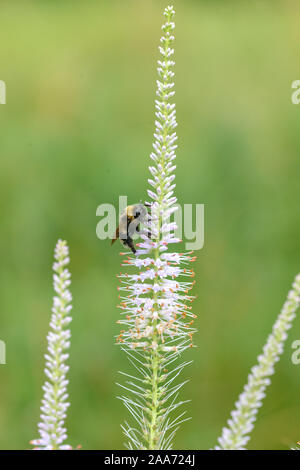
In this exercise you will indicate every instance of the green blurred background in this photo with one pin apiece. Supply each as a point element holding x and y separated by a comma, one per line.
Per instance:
<point>77,131</point>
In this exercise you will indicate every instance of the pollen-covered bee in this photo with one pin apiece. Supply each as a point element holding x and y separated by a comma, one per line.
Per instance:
<point>129,224</point>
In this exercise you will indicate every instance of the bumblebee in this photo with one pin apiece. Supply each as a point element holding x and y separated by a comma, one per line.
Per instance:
<point>129,224</point>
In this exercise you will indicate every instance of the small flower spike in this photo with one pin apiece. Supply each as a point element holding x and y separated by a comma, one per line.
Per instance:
<point>236,435</point>
<point>54,404</point>
<point>157,322</point>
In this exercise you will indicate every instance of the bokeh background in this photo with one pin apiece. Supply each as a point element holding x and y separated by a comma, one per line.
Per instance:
<point>77,131</point>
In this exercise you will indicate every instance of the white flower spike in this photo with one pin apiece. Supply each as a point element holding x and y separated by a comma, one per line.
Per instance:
<point>236,435</point>
<point>54,404</point>
<point>156,319</point>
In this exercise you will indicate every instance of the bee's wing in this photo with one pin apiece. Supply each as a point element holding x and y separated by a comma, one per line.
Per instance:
<point>116,236</point>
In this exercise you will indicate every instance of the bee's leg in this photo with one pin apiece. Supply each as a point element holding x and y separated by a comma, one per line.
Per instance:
<point>124,242</point>
<point>138,228</point>
<point>129,242</point>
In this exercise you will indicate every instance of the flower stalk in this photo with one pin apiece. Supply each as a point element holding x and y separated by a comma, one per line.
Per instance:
<point>156,319</point>
<point>236,435</point>
<point>54,403</point>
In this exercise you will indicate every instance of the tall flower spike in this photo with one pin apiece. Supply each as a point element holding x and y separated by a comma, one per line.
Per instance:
<point>157,322</point>
<point>236,435</point>
<point>54,403</point>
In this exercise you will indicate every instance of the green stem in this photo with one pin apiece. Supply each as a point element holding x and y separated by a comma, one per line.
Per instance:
<point>153,435</point>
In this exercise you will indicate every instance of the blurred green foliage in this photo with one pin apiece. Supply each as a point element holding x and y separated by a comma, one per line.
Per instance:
<point>77,131</point>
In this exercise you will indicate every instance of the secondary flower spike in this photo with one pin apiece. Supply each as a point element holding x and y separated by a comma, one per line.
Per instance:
<point>240,425</point>
<point>157,321</point>
<point>55,400</point>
